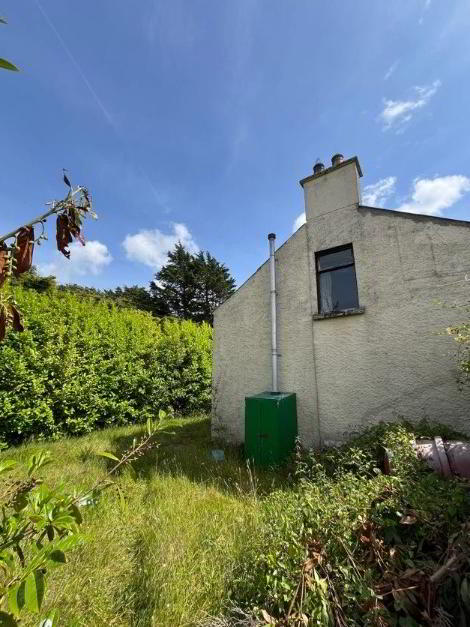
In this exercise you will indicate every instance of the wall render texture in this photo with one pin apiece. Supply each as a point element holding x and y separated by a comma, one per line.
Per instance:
<point>394,360</point>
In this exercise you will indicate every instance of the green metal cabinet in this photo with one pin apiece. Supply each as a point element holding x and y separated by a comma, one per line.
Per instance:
<point>270,427</point>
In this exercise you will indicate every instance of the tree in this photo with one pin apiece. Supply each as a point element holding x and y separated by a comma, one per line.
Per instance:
<point>135,297</point>
<point>214,285</point>
<point>32,280</point>
<point>174,290</point>
<point>191,286</point>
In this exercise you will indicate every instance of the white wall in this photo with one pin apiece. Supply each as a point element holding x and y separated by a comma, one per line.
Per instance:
<point>393,360</point>
<point>242,343</point>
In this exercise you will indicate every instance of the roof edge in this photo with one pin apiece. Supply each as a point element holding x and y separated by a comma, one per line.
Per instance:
<point>302,226</point>
<point>416,216</point>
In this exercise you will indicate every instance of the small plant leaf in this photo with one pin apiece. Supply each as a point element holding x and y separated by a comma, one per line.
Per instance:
<point>7,465</point>
<point>51,620</point>
<point>34,591</point>
<point>122,500</point>
<point>58,556</point>
<point>24,250</point>
<point>13,605</point>
<point>108,455</point>
<point>6,65</point>
<point>76,514</point>
<point>38,461</point>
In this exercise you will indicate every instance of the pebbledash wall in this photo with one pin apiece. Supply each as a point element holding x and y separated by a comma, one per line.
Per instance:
<point>388,359</point>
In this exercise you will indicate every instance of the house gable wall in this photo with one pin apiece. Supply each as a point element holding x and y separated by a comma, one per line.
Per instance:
<point>242,344</point>
<point>395,359</point>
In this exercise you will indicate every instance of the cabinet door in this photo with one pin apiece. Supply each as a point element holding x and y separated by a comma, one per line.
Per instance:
<point>265,436</point>
<point>269,433</point>
<point>252,428</point>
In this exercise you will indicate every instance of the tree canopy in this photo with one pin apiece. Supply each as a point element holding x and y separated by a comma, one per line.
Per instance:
<point>188,287</point>
<point>191,286</point>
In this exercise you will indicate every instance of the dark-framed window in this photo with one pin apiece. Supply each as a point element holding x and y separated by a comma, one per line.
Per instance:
<point>336,279</point>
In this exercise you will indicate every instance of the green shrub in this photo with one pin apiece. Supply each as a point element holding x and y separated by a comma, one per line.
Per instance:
<point>461,334</point>
<point>341,544</point>
<point>82,365</point>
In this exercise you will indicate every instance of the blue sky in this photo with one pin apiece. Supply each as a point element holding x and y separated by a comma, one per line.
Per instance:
<point>195,119</point>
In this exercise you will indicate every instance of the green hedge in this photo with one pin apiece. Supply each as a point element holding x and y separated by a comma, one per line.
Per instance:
<point>82,365</point>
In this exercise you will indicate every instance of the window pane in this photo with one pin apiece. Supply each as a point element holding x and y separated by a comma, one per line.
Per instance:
<point>335,259</point>
<point>338,290</point>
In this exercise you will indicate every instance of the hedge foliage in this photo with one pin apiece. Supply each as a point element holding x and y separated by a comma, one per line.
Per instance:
<point>83,365</point>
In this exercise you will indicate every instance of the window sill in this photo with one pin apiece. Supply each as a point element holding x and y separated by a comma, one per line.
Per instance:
<point>339,314</point>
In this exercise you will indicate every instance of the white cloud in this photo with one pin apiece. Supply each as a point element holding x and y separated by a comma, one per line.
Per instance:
<point>396,113</point>
<point>428,196</point>
<point>298,222</point>
<point>86,260</point>
<point>390,70</point>
<point>376,194</point>
<point>151,247</point>
<point>431,196</point>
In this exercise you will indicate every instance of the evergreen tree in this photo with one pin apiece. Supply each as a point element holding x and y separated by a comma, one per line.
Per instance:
<point>175,285</point>
<point>134,297</point>
<point>191,286</point>
<point>214,285</point>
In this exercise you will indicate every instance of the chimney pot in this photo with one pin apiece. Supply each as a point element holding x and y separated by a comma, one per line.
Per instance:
<point>336,159</point>
<point>272,236</point>
<point>318,167</point>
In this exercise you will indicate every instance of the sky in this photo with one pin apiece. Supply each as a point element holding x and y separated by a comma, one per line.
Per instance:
<point>194,120</point>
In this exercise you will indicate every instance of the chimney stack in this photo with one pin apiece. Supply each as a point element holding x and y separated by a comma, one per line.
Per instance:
<point>337,159</point>
<point>332,188</point>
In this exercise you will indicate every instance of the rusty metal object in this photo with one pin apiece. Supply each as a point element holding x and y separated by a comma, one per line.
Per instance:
<point>458,454</point>
<point>434,454</point>
<point>447,458</point>
<point>451,458</point>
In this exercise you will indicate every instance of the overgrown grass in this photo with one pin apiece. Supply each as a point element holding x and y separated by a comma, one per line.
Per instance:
<point>328,539</point>
<point>349,545</point>
<point>167,556</point>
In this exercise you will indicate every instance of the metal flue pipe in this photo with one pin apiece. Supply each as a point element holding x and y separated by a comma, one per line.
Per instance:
<point>272,272</point>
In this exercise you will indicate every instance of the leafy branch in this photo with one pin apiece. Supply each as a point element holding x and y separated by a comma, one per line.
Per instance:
<point>4,64</point>
<point>17,246</point>
<point>39,525</point>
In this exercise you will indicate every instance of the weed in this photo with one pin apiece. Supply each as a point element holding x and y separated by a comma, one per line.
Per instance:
<point>193,542</point>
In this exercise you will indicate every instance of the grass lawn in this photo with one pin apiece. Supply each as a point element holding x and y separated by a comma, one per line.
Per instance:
<point>167,557</point>
<point>342,543</point>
